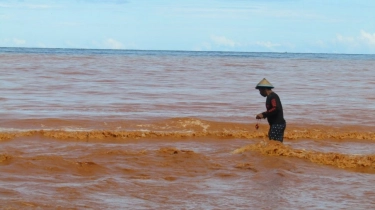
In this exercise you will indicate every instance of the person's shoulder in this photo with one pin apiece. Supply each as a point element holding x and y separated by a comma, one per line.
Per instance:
<point>274,95</point>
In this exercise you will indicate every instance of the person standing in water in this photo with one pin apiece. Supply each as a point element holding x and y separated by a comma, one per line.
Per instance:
<point>274,113</point>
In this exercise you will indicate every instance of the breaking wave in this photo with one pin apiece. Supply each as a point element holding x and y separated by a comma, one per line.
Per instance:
<point>334,159</point>
<point>178,128</point>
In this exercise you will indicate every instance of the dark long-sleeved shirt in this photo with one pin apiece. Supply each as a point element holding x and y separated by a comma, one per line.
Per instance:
<point>274,113</point>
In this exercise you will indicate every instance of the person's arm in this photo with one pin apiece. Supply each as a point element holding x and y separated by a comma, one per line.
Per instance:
<point>273,110</point>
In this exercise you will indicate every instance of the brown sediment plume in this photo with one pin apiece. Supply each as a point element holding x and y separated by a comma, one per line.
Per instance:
<point>4,159</point>
<point>329,134</point>
<point>7,136</point>
<point>4,136</point>
<point>181,128</point>
<point>334,159</point>
<point>292,135</point>
<point>122,152</point>
<point>185,161</point>
<point>191,128</point>
<point>81,135</point>
<point>170,151</point>
<point>240,134</point>
<point>246,166</point>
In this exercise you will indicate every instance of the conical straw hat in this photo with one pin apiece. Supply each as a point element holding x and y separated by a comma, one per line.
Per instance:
<point>264,84</point>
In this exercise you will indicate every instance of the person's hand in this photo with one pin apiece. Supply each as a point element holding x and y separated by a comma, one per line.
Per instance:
<point>260,116</point>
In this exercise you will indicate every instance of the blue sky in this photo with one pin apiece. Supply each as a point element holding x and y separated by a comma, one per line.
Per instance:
<point>306,26</point>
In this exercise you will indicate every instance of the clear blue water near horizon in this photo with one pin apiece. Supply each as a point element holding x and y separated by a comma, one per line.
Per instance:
<point>157,52</point>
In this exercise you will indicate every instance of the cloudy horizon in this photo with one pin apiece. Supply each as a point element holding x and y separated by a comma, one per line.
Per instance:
<point>300,26</point>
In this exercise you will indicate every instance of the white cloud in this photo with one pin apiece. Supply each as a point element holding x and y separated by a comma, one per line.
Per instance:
<point>203,47</point>
<point>39,6</point>
<point>368,37</point>
<point>5,6</point>
<point>113,44</point>
<point>223,41</point>
<point>28,6</point>
<point>267,44</point>
<point>19,41</point>
<point>344,39</point>
<point>4,17</point>
<point>107,1</point>
<point>42,45</point>
<point>363,39</point>
<point>321,44</point>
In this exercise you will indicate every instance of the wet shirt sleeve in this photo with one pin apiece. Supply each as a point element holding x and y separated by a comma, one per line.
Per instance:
<point>272,107</point>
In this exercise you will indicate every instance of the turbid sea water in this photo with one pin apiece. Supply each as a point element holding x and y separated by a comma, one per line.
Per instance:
<point>128,129</point>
